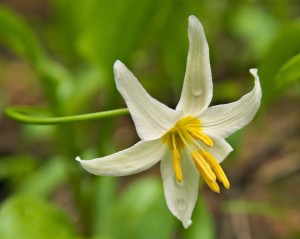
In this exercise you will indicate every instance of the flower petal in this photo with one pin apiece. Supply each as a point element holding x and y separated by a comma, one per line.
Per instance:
<point>223,120</point>
<point>139,157</point>
<point>197,87</point>
<point>220,149</point>
<point>180,197</point>
<point>152,119</point>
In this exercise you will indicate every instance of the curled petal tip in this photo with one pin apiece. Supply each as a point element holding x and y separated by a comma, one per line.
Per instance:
<point>119,67</point>
<point>187,224</point>
<point>194,21</point>
<point>117,64</point>
<point>192,18</point>
<point>253,71</point>
<point>78,159</point>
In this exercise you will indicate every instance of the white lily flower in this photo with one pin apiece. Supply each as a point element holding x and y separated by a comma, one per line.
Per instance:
<point>189,141</point>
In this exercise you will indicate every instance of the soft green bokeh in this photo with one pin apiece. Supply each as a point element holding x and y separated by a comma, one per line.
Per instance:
<point>33,218</point>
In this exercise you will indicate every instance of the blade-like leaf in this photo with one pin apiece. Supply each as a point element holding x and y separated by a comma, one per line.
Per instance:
<point>17,35</point>
<point>140,213</point>
<point>44,181</point>
<point>284,46</point>
<point>32,218</point>
<point>289,72</point>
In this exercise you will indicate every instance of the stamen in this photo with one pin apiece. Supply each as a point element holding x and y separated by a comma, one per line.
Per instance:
<point>203,137</point>
<point>187,134</point>
<point>215,167</point>
<point>176,164</point>
<point>213,186</point>
<point>203,168</point>
<point>205,171</point>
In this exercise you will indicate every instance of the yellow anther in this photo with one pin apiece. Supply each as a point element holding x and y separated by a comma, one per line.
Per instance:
<point>176,165</point>
<point>203,137</point>
<point>187,133</point>
<point>213,186</point>
<point>203,168</point>
<point>216,168</point>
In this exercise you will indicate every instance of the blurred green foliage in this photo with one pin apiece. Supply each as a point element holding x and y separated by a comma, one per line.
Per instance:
<point>72,53</point>
<point>31,217</point>
<point>289,73</point>
<point>139,209</point>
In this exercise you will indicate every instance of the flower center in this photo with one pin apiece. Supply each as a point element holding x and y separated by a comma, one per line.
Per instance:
<point>187,133</point>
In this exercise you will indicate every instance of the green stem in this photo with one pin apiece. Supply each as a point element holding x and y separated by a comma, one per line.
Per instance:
<point>21,114</point>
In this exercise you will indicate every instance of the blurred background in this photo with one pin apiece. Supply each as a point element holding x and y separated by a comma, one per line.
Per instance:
<point>57,56</point>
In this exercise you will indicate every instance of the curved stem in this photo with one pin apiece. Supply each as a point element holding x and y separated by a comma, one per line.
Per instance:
<point>22,114</point>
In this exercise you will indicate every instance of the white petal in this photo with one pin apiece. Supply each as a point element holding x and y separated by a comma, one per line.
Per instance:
<point>197,87</point>
<point>220,149</point>
<point>223,120</point>
<point>139,157</point>
<point>180,197</point>
<point>152,119</point>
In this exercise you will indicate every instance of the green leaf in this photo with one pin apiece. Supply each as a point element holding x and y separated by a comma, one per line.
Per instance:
<point>253,24</point>
<point>101,32</point>
<point>140,213</point>
<point>89,80</point>
<point>289,73</point>
<point>44,181</point>
<point>17,35</point>
<point>203,225</point>
<point>112,29</point>
<point>15,167</point>
<point>104,194</point>
<point>32,218</point>
<point>284,46</point>
<point>58,82</point>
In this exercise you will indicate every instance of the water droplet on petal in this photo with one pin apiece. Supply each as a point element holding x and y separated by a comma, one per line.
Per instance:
<point>181,203</point>
<point>197,92</point>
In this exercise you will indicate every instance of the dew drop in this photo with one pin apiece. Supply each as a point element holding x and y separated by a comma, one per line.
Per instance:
<point>196,91</point>
<point>181,203</point>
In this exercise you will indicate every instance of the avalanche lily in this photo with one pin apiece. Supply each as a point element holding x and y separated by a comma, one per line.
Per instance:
<point>190,140</point>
